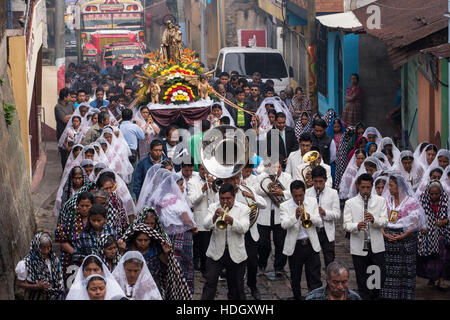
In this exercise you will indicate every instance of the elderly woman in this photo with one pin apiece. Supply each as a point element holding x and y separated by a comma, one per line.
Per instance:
<point>299,104</point>
<point>406,217</point>
<point>69,186</point>
<point>135,279</point>
<point>433,255</point>
<point>40,273</point>
<point>107,249</point>
<point>352,109</point>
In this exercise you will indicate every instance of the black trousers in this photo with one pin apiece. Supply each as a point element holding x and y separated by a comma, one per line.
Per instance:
<point>235,277</point>
<point>201,243</point>
<point>327,246</point>
<point>64,154</point>
<point>265,246</point>
<point>251,246</point>
<point>361,263</point>
<point>304,254</point>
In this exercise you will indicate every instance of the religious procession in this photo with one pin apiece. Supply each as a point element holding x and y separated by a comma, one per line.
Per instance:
<point>177,174</point>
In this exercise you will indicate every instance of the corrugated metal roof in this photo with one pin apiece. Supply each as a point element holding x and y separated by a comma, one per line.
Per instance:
<point>441,51</point>
<point>345,21</point>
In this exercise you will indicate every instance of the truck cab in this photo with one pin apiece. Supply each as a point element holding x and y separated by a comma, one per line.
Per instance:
<point>132,52</point>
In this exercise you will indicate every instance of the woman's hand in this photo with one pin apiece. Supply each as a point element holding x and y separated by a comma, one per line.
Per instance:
<point>121,244</point>
<point>43,285</point>
<point>441,223</point>
<point>166,247</point>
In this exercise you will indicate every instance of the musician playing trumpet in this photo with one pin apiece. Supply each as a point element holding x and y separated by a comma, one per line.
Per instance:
<point>226,249</point>
<point>359,222</point>
<point>302,244</point>
<point>269,218</point>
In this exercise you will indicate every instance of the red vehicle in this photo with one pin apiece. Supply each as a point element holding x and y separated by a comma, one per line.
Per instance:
<point>132,52</point>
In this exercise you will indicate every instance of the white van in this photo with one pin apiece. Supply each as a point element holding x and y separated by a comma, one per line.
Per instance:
<point>247,60</point>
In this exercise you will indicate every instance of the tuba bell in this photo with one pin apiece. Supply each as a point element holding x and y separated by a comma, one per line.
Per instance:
<point>310,158</point>
<point>254,210</point>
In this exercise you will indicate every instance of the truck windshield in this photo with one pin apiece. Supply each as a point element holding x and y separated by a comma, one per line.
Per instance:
<point>128,53</point>
<point>112,21</point>
<point>270,65</point>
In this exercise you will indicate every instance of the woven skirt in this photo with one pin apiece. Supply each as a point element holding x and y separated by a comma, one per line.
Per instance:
<point>182,244</point>
<point>435,266</point>
<point>400,256</point>
<point>351,114</point>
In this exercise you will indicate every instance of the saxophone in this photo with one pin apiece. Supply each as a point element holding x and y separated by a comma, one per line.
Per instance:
<point>366,230</point>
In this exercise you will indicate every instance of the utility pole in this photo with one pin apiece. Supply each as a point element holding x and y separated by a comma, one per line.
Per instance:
<point>312,56</point>
<point>203,53</point>
<point>181,19</point>
<point>60,42</point>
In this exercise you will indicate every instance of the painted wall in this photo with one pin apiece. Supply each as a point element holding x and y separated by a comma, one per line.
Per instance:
<point>444,98</point>
<point>49,101</point>
<point>410,103</point>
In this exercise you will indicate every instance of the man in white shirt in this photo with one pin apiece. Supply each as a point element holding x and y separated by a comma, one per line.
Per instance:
<point>355,216</point>
<point>201,196</point>
<point>227,246</point>
<point>296,158</point>
<point>329,210</point>
<point>248,178</point>
<point>301,245</point>
<point>269,219</point>
<point>297,174</point>
<point>187,172</point>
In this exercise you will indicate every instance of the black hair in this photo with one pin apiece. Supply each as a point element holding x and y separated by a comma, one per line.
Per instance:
<point>387,152</point>
<point>85,196</point>
<point>320,123</point>
<point>205,125</point>
<point>95,278</point>
<point>254,85</point>
<point>127,114</point>
<point>297,184</point>
<point>377,182</point>
<point>364,177</point>
<point>358,151</point>
<point>102,179</point>
<point>298,89</point>
<point>225,120</point>
<point>431,146</point>
<point>370,164</point>
<point>243,82</point>
<point>356,75</point>
<point>109,241</point>
<point>269,89</point>
<point>238,91</point>
<point>113,98</point>
<point>423,145</point>
<point>77,148</point>
<point>272,111</point>
<point>305,136</point>
<point>92,259</point>
<point>188,163</point>
<point>234,77</point>
<point>99,89</point>
<point>81,91</point>
<point>224,74</point>
<point>78,117</point>
<point>437,170</point>
<point>102,116</point>
<point>96,210</point>
<point>249,165</point>
<point>63,93</point>
<point>280,115</point>
<point>407,158</point>
<point>169,128</point>
<point>270,81</point>
<point>319,171</point>
<point>155,143</point>
<point>166,163</point>
<point>216,106</point>
<point>226,187</point>
<point>90,150</point>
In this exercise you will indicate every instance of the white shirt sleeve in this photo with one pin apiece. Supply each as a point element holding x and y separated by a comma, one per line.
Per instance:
<point>332,151</point>
<point>21,271</point>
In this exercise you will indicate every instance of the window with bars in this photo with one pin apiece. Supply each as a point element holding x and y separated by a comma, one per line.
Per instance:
<point>322,63</point>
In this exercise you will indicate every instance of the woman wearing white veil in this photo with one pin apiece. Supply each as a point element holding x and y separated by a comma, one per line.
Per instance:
<point>406,218</point>
<point>383,159</point>
<point>442,159</point>
<point>117,155</point>
<point>122,192</point>
<point>112,119</point>
<point>100,154</point>
<point>378,185</point>
<point>135,278</point>
<point>72,134</point>
<point>419,149</point>
<point>93,265</point>
<point>76,150</point>
<point>178,221</point>
<point>387,143</point>
<point>428,155</point>
<point>279,106</point>
<point>70,184</point>
<point>433,172</point>
<point>145,121</point>
<point>445,180</point>
<point>409,168</point>
<point>371,165</point>
<point>373,135</point>
<point>350,172</point>
<point>155,175</point>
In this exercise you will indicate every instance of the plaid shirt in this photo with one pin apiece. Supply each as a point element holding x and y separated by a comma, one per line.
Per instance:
<point>85,243</point>
<point>321,294</point>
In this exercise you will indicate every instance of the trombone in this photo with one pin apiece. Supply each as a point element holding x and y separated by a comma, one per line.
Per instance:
<point>306,223</point>
<point>221,224</point>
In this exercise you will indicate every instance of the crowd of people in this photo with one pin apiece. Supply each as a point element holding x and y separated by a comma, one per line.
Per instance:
<point>134,223</point>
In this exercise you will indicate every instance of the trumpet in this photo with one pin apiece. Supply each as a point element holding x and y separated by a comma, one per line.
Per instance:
<point>310,158</point>
<point>221,224</point>
<point>306,223</point>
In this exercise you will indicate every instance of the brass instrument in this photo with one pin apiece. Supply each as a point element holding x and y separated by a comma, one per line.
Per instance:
<point>366,230</point>
<point>306,223</point>
<point>217,183</point>
<point>221,224</point>
<point>268,185</point>
<point>254,210</point>
<point>311,158</point>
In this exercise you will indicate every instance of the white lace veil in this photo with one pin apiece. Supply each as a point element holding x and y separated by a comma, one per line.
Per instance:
<point>78,289</point>
<point>395,151</point>
<point>71,158</point>
<point>347,178</point>
<point>122,192</point>
<point>59,194</point>
<point>88,162</point>
<point>112,119</point>
<point>145,287</point>
<point>417,151</point>
<point>374,190</point>
<point>100,165</point>
<point>426,179</point>
<point>423,156</point>
<point>151,182</point>
<point>445,180</point>
<point>441,153</point>
<point>100,154</point>
<point>77,136</point>
<point>171,205</point>
<point>353,188</point>
<point>383,160</point>
<point>373,130</point>
<point>416,171</point>
<point>279,106</point>
<point>416,218</point>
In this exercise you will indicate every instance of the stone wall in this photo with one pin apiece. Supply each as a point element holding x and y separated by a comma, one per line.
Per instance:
<point>17,224</point>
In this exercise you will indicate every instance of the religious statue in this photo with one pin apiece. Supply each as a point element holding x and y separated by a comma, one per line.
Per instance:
<point>154,90</point>
<point>167,41</point>
<point>203,87</point>
<point>178,41</point>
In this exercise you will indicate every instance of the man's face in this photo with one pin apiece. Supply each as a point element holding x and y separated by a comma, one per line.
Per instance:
<point>128,93</point>
<point>256,79</point>
<point>234,82</point>
<point>187,171</point>
<point>226,200</point>
<point>156,153</point>
<point>319,183</point>
<point>132,272</point>
<point>224,80</point>
<point>240,97</point>
<point>338,284</point>
<point>73,98</point>
<point>305,146</point>
<point>319,131</point>
<point>202,171</point>
<point>246,172</point>
<point>221,89</point>
<point>99,95</point>
<point>298,195</point>
<point>365,188</point>
<point>280,123</point>
<point>254,91</point>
